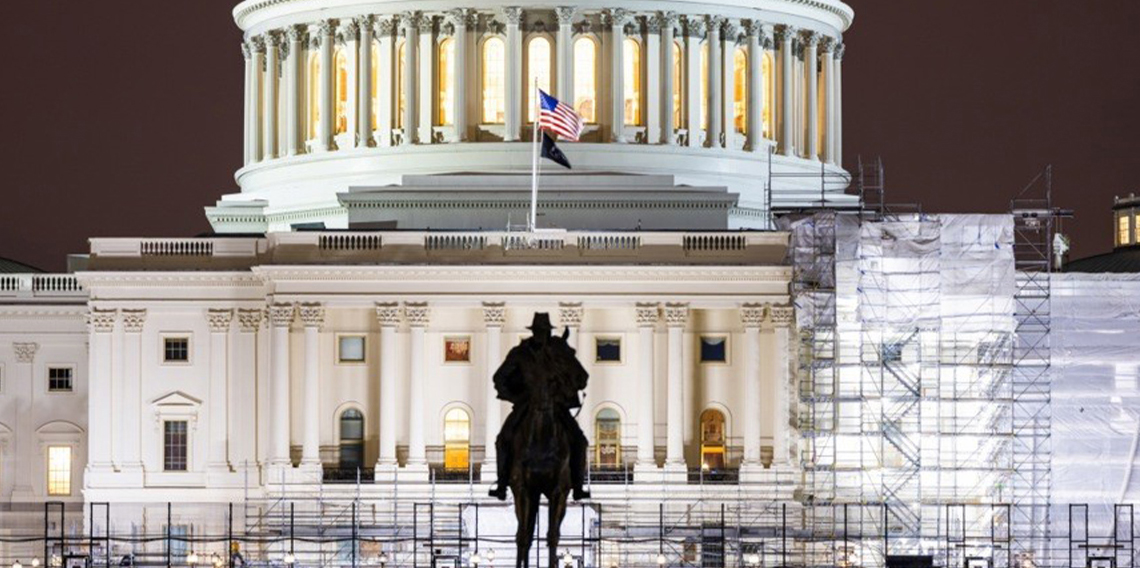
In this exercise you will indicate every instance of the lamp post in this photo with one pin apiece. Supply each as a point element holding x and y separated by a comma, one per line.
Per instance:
<point>192,558</point>
<point>661,560</point>
<point>289,558</point>
<point>383,559</point>
<point>17,564</point>
<point>491,558</point>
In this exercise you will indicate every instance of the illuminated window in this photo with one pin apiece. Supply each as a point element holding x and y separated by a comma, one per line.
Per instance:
<point>538,71</point>
<point>375,86</point>
<point>607,439</point>
<point>494,81</point>
<point>740,90</point>
<point>821,118</point>
<point>351,439</point>
<point>678,83</point>
<point>400,78</point>
<point>314,93</point>
<point>446,80</point>
<point>340,61</point>
<point>1122,232</point>
<point>60,379</point>
<point>1136,228</point>
<point>175,446</point>
<point>586,79</point>
<point>632,82</point>
<point>59,470</point>
<point>767,69</point>
<point>704,82</point>
<point>456,439</point>
<point>712,440</point>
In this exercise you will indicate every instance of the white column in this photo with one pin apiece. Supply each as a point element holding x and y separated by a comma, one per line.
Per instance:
<point>647,316</point>
<point>783,318</point>
<point>388,316</point>
<point>348,38</point>
<point>515,87</point>
<point>417,315</point>
<point>425,76</point>
<point>24,429</point>
<point>294,137</point>
<point>676,317</point>
<point>410,21</point>
<point>324,34</point>
<point>460,18</point>
<point>837,94</point>
<point>786,108</point>
<point>564,61</point>
<point>667,21</point>
<point>715,101</point>
<point>728,78</point>
<point>243,393</point>
<point>655,99</point>
<point>811,72</point>
<point>617,19</point>
<point>257,47</point>
<point>364,84</point>
<point>386,82</point>
<point>217,460</point>
<point>272,51</point>
<point>494,315</point>
<point>247,150</point>
<point>827,46</point>
<point>281,316</point>
<point>131,395</point>
<point>102,325</point>
<point>752,316</point>
<point>312,316</point>
<point>694,30</point>
<point>756,94</point>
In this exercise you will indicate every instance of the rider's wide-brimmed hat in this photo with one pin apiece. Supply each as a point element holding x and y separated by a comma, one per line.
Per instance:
<point>541,322</point>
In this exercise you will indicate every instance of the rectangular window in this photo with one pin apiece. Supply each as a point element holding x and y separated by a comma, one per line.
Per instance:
<point>457,349</point>
<point>1122,232</point>
<point>714,349</point>
<point>607,350</point>
<point>1136,228</point>
<point>176,349</point>
<point>174,445</point>
<point>59,379</point>
<point>350,348</point>
<point>179,535</point>
<point>59,470</point>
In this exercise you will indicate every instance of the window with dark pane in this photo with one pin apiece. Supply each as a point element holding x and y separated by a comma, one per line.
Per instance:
<point>174,446</point>
<point>59,379</point>
<point>176,349</point>
<point>607,350</point>
<point>714,349</point>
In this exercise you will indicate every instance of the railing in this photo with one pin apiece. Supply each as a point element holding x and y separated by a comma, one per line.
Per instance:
<point>714,243</point>
<point>610,475</point>
<point>349,475</point>
<point>702,476</point>
<point>350,242</point>
<point>609,242</point>
<point>455,242</point>
<point>440,474</point>
<point>176,247</point>
<point>36,284</point>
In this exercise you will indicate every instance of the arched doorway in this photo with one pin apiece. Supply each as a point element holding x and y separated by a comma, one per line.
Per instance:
<point>456,440</point>
<point>351,439</point>
<point>712,440</point>
<point>607,439</point>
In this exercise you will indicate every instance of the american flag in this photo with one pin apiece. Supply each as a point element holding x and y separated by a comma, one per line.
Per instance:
<point>559,118</point>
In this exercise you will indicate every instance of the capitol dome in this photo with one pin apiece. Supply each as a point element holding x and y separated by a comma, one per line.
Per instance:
<point>351,101</point>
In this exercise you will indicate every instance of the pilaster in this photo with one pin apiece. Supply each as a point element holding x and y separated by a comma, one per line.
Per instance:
<point>494,316</point>
<point>417,315</point>
<point>647,314</point>
<point>676,318</point>
<point>218,464</point>
<point>312,317</point>
<point>131,465</point>
<point>388,315</point>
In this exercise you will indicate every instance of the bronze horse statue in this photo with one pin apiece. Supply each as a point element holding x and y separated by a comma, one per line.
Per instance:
<point>541,449</point>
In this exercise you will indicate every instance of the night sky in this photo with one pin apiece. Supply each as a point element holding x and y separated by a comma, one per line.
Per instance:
<point>125,118</point>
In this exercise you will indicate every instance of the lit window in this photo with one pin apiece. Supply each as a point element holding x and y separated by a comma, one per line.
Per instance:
<point>400,102</point>
<point>678,83</point>
<point>1122,232</point>
<point>350,349</point>
<point>314,94</point>
<point>175,447</point>
<point>607,439</point>
<point>712,440</point>
<point>341,62</point>
<point>456,439</point>
<point>59,379</point>
<point>494,81</point>
<point>821,119</point>
<point>538,71</point>
<point>703,79</point>
<point>740,90</point>
<point>585,79</point>
<point>607,350</point>
<point>59,470</point>
<point>1136,228</point>
<point>632,82</point>
<point>767,69</point>
<point>176,349</point>
<point>714,349</point>
<point>375,86</point>
<point>446,80</point>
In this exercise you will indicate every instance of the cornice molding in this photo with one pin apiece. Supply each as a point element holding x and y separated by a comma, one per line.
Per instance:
<point>163,279</point>
<point>537,272</point>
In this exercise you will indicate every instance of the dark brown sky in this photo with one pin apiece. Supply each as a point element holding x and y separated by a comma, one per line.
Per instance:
<point>123,118</point>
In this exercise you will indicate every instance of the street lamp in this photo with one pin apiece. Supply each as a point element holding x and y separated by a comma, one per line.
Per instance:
<point>475,559</point>
<point>35,563</point>
<point>383,559</point>
<point>661,560</point>
<point>192,558</point>
<point>17,564</point>
<point>752,559</point>
<point>289,558</point>
<point>491,557</point>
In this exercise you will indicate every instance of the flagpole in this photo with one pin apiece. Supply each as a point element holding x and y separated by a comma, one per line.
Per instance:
<point>534,165</point>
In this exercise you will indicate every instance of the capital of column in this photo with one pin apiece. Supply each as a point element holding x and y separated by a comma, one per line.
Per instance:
<point>417,313</point>
<point>219,319</point>
<point>782,316</point>
<point>281,315</point>
<point>388,314</point>
<point>753,315</point>
<point>810,38</point>
<point>25,351</point>
<point>565,15</point>
<point>461,17</point>
<point>271,39</point>
<point>246,53</point>
<point>840,48</point>
<point>570,314</point>
<point>312,314</point>
<point>513,14</point>
<point>652,24</point>
<point>410,20</point>
<point>694,27</point>
<point>250,319</point>
<point>348,30</point>
<point>676,314</point>
<point>384,27</point>
<point>494,314</point>
<point>133,320</point>
<point>426,24</point>
<point>327,28</point>
<point>787,34</point>
<point>714,24</point>
<point>102,321</point>
<point>666,19</point>
<point>295,33</point>
<point>647,314</point>
<point>364,22</point>
<point>827,44</point>
<point>256,44</point>
<point>617,17</point>
<point>728,29</point>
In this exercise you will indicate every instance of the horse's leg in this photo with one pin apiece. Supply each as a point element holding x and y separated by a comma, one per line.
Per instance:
<point>525,532</point>
<point>557,512</point>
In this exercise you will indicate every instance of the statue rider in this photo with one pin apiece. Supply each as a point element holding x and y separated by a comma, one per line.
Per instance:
<point>542,359</point>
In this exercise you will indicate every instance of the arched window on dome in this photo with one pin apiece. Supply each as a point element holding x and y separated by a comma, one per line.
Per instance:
<point>740,90</point>
<point>631,59</point>
<point>400,78</point>
<point>456,439</point>
<point>768,70</point>
<point>340,62</point>
<point>586,79</point>
<point>374,88</point>
<point>678,84</point>
<point>494,81</point>
<point>537,71</point>
<point>703,80</point>
<point>446,80</point>
<point>820,114</point>
<point>313,93</point>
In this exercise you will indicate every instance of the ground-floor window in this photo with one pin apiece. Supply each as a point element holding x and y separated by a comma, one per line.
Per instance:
<point>59,470</point>
<point>607,439</point>
<point>351,439</point>
<point>712,440</point>
<point>456,439</point>
<point>175,446</point>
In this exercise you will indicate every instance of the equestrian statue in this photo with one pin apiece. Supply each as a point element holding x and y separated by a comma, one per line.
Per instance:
<point>541,449</point>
